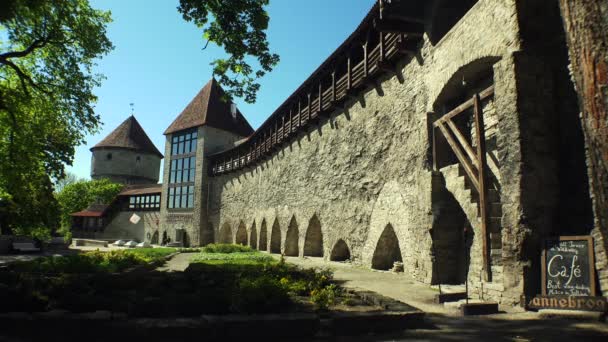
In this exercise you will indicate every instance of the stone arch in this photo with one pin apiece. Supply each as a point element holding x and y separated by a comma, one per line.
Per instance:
<point>241,234</point>
<point>340,252</point>
<point>225,234</point>
<point>478,73</point>
<point>313,241</point>
<point>253,237</point>
<point>263,244</point>
<point>275,237</point>
<point>154,239</point>
<point>400,206</point>
<point>165,238</point>
<point>387,250</point>
<point>292,238</point>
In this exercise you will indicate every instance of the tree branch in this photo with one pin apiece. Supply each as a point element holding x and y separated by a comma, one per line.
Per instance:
<point>38,43</point>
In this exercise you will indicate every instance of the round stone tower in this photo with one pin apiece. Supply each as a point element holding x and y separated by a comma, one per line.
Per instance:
<point>126,156</point>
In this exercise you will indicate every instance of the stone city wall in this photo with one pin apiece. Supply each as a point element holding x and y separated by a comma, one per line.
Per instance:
<point>365,175</point>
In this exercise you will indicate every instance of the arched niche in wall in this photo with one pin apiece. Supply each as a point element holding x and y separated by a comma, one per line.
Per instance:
<point>263,244</point>
<point>241,234</point>
<point>253,237</point>
<point>340,252</point>
<point>292,238</point>
<point>275,237</point>
<point>387,250</point>
<point>225,233</point>
<point>313,241</point>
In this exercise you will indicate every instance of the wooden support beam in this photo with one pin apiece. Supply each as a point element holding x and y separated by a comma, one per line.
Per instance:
<point>461,158</point>
<point>405,18</point>
<point>463,142</point>
<point>399,26</point>
<point>333,86</point>
<point>468,104</point>
<point>382,47</point>
<point>349,80</point>
<point>483,195</point>
<point>320,97</point>
<point>386,66</point>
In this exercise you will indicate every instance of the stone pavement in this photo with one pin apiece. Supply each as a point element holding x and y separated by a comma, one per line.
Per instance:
<point>443,323</point>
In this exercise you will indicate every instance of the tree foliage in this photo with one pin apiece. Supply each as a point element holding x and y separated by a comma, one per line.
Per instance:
<point>239,26</point>
<point>79,195</point>
<point>47,52</point>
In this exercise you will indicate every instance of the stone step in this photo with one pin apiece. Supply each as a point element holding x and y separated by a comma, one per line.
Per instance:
<point>496,256</point>
<point>496,240</point>
<point>493,196</point>
<point>495,209</point>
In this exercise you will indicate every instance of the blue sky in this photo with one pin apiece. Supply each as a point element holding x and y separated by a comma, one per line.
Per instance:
<point>159,65</point>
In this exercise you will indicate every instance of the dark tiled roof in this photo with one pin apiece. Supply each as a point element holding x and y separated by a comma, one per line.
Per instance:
<point>141,189</point>
<point>208,108</point>
<point>94,210</point>
<point>130,135</point>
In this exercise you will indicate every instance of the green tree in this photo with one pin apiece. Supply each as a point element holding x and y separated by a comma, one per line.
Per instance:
<point>47,52</point>
<point>239,26</point>
<point>68,179</point>
<point>78,196</point>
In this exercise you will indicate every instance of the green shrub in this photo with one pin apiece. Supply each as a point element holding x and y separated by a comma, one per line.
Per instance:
<point>226,248</point>
<point>263,294</point>
<point>234,258</point>
<point>93,262</point>
<point>323,298</point>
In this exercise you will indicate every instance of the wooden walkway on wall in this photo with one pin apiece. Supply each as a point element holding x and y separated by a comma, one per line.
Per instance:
<point>319,98</point>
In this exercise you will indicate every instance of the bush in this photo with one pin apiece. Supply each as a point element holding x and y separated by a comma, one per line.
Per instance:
<point>233,258</point>
<point>325,297</point>
<point>263,294</point>
<point>226,248</point>
<point>93,262</point>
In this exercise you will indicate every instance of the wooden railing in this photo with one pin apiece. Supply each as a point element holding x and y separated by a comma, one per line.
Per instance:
<point>473,161</point>
<point>309,107</point>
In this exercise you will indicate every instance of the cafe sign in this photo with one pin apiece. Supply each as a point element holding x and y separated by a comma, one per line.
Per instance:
<point>568,267</point>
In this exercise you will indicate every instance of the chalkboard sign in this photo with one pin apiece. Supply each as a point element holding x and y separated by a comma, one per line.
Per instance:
<point>568,268</point>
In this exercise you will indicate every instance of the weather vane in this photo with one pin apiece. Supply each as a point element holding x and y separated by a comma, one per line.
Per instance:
<point>132,105</point>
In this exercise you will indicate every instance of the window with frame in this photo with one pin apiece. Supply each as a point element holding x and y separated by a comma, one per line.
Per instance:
<point>144,202</point>
<point>182,169</point>
<point>184,142</point>
<point>181,197</point>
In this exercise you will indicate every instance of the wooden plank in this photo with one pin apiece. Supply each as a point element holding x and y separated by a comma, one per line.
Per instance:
<point>482,189</point>
<point>365,65</point>
<point>467,104</point>
<point>320,97</point>
<point>381,45</point>
<point>463,142</point>
<point>333,86</point>
<point>463,161</point>
<point>348,73</point>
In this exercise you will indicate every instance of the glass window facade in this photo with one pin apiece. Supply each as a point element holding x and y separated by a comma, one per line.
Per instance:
<point>181,197</point>
<point>144,202</point>
<point>183,143</point>
<point>182,170</point>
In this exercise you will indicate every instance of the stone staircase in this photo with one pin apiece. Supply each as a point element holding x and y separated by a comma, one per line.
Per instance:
<point>459,185</point>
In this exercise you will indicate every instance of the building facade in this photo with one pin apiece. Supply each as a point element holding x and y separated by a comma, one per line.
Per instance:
<point>445,136</point>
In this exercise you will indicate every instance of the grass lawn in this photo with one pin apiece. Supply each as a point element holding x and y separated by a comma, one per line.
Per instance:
<point>221,279</point>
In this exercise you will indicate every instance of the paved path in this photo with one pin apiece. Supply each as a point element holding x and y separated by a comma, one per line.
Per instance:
<point>443,323</point>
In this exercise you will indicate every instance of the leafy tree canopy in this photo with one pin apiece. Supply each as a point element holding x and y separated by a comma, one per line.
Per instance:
<point>239,26</point>
<point>47,52</point>
<point>79,195</point>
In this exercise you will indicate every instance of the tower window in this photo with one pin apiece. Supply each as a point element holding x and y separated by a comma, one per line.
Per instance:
<point>109,156</point>
<point>138,158</point>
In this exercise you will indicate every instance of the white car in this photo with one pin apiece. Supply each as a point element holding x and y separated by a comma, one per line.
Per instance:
<point>131,244</point>
<point>119,243</point>
<point>143,245</point>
